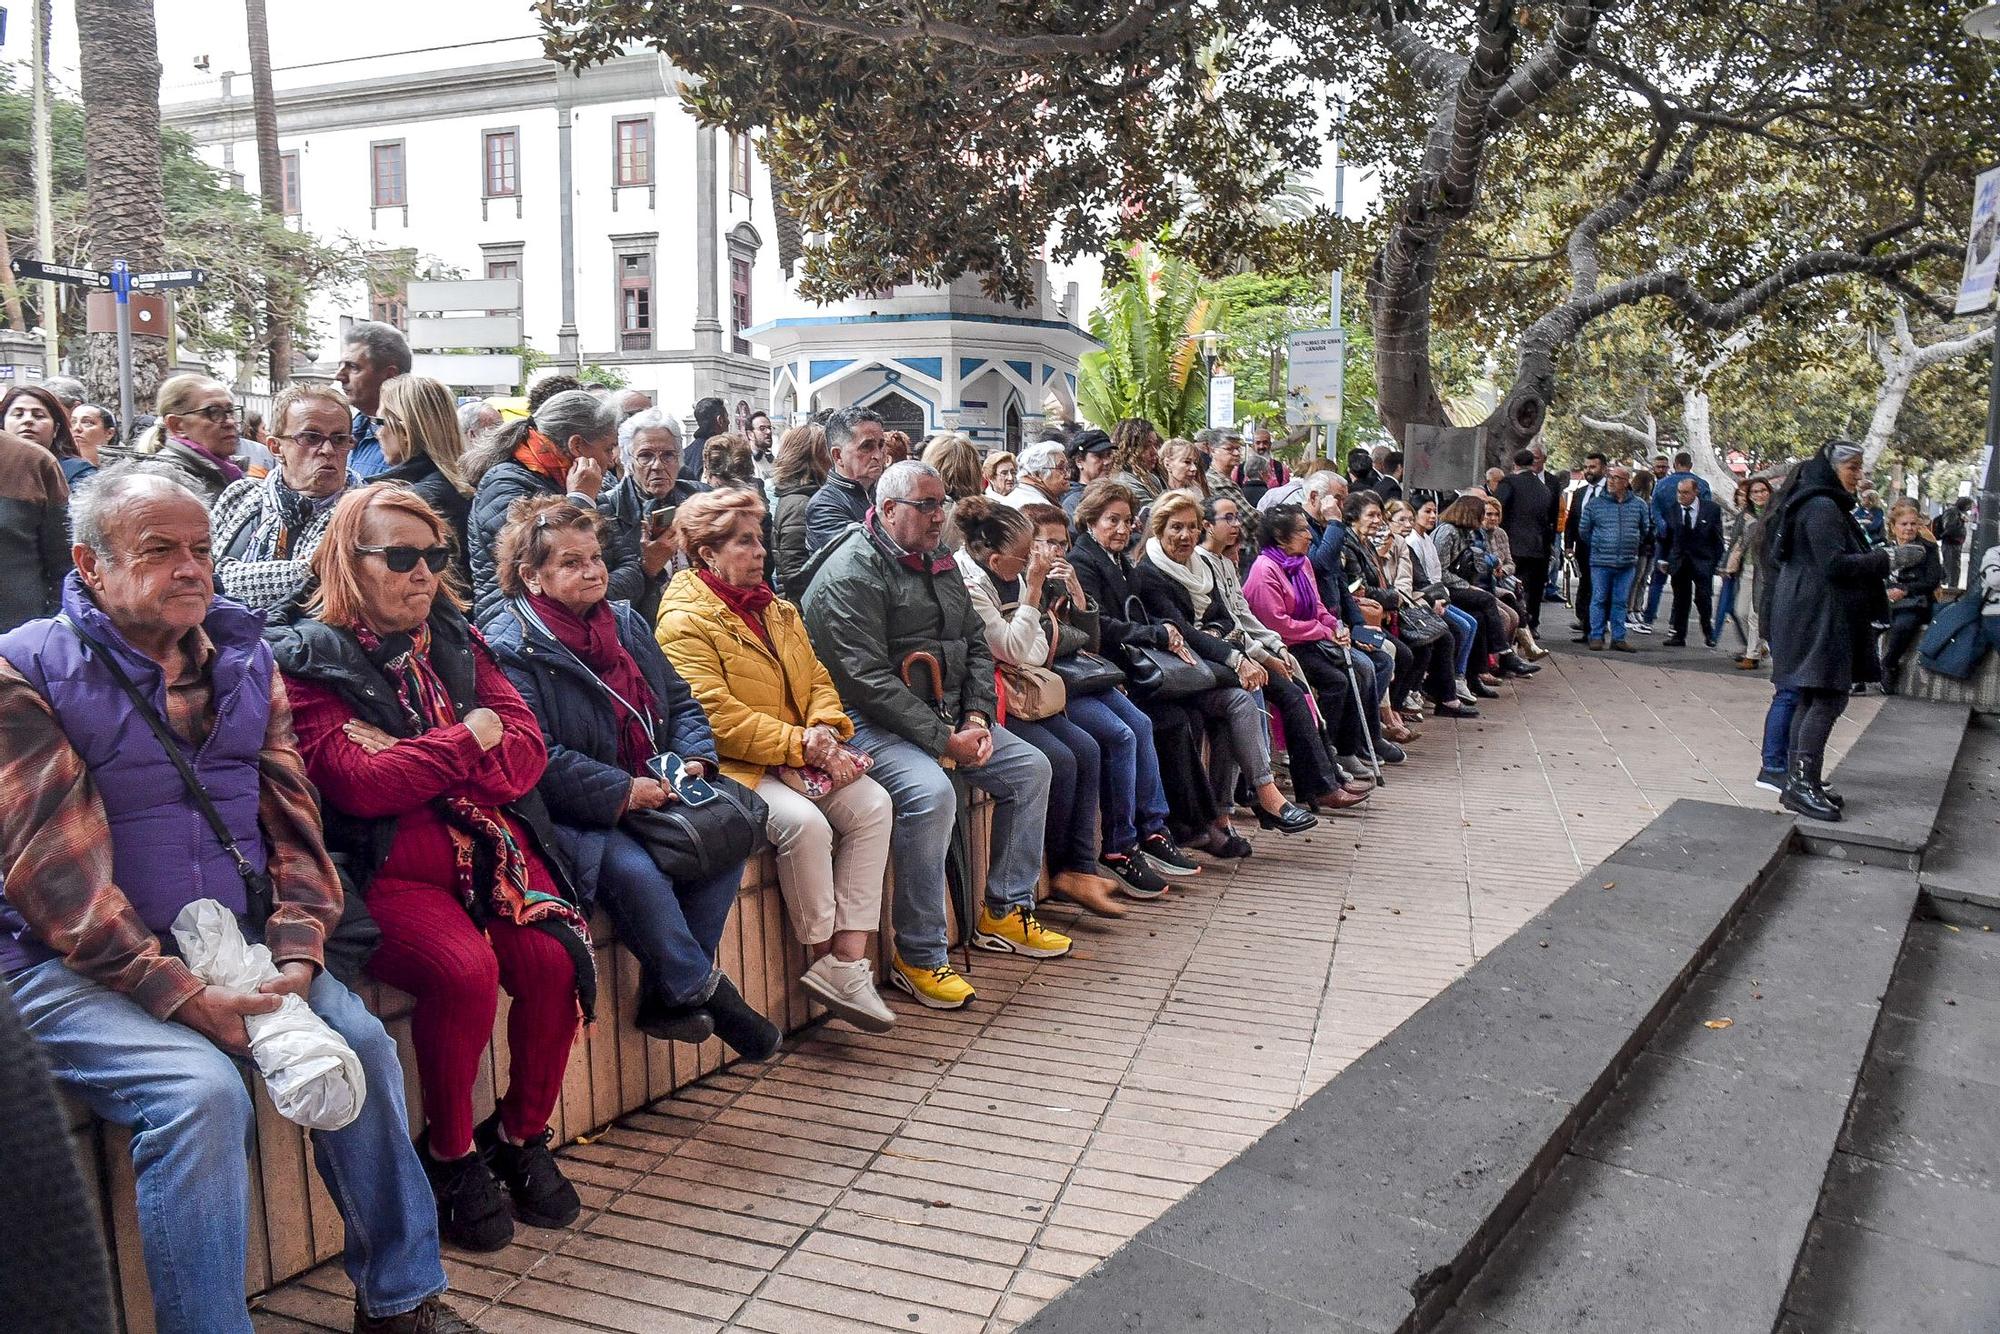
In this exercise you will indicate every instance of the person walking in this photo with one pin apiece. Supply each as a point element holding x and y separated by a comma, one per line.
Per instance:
<point>1830,588</point>
<point>1613,529</point>
<point>1589,488</point>
<point>1690,547</point>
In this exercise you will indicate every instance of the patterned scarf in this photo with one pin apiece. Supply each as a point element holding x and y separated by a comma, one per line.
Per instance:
<point>286,517</point>
<point>936,562</point>
<point>539,454</point>
<point>477,832</point>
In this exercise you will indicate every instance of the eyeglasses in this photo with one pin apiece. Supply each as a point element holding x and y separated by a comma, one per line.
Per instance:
<point>401,560</point>
<point>924,507</point>
<point>312,442</point>
<point>215,412</point>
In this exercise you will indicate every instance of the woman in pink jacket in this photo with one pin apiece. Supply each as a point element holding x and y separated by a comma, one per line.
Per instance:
<point>1284,594</point>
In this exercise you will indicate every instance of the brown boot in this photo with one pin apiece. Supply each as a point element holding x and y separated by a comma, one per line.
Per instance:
<point>1092,893</point>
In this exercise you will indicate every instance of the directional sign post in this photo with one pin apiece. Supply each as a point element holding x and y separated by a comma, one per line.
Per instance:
<point>122,282</point>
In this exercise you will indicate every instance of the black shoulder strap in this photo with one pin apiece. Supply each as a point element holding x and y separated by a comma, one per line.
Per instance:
<point>171,744</point>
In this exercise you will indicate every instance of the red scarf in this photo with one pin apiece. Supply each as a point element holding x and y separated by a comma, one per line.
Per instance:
<point>593,637</point>
<point>539,454</point>
<point>748,603</point>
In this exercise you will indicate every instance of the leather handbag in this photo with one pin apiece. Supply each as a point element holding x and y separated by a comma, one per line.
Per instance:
<point>1420,627</point>
<point>1085,673</point>
<point>690,843</point>
<point>1034,693</point>
<point>1157,673</point>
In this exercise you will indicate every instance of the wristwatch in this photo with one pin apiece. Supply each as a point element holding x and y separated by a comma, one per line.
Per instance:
<point>976,719</point>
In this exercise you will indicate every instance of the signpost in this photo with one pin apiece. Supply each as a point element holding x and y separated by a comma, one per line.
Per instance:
<point>1221,402</point>
<point>122,282</point>
<point>1316,371</point>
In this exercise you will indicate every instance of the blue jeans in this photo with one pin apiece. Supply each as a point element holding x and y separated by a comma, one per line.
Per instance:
<point>1464,627</point>
<point>1610,591</point>
<point>189,1111</point>
<point>1075,781</point>
<point>673,930</point>
<point>1134,800</point>
<point>926,808</point>
<point>1653,589</point>
<point>1778,727</point>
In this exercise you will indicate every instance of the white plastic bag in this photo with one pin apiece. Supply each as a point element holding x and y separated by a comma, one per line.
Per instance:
<point>314,1077</point>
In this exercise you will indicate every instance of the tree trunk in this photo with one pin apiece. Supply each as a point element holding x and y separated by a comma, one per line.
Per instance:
<point>1903,360</point>
<point>1399,304</point>
<point>270,185</point>
<point>119,52</point>
<point>1708,464</point>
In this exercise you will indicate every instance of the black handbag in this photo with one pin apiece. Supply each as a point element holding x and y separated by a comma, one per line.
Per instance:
<point>352,942</point>
<point>1420,627</point>
<point>690,843</point>
<point>1087,673</point>
<point>1157,673</point>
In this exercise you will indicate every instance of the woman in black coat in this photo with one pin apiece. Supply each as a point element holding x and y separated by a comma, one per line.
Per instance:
<point>423,445</point>
<point>1828,592</point>
<point>608,702</point>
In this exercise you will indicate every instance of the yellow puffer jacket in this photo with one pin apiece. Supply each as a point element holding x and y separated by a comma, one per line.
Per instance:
<point>758,704</point>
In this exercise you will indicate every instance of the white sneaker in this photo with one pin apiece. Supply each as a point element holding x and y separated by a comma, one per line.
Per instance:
<point>1465,696</point>
<point>848,992</point>
<point>1639,628</point>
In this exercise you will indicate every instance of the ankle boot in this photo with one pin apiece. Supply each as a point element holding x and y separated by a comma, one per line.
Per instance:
<point>1802,792</point>
<point>1525,645</point>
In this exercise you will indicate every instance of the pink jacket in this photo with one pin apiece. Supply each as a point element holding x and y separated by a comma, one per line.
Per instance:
<point>1269,592</point>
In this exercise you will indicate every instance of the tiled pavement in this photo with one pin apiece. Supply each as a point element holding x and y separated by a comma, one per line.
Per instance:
<point>958,1174</point>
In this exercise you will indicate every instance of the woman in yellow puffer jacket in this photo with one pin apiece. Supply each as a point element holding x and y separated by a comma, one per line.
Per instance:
<point>779,728</point>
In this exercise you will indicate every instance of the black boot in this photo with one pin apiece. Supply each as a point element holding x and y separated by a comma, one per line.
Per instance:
<point>472,1211</point>
<point>1802,792</point>
<point>750,1034</point>
<point>1511,664</point>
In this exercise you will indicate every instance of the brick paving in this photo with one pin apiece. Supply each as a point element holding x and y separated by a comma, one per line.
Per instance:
<point>957,1174</point>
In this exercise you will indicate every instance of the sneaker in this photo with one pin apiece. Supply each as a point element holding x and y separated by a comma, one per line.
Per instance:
<point>749,1034</point>
<point>431,1316</point>
<point>1771,780</point>
<point>1018,932</point>
<point>542,1195</point>
<point>1640,628</point>
<point>847,989</point>
<point>472,1209</point>
<point>1465,695</point>
<point>939,988</point>
<point>1166,858</point>
<point>1136,878</point>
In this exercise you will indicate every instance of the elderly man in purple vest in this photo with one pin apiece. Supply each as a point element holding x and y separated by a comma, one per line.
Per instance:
<point>103,847</point>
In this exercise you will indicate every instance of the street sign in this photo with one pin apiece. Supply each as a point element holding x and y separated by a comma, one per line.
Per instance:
<point>60,273</point>
<point>1316,373</point>
<point>1221,402</point>
<point>168,278</point>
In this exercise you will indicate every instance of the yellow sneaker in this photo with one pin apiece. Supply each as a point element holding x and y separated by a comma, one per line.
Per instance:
<point>1018,932</point>
<point>939,988</point>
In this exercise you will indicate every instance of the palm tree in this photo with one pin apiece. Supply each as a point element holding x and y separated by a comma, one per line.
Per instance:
<point>270,183</point>
<point>120,53</point>
<point>1150,326</point>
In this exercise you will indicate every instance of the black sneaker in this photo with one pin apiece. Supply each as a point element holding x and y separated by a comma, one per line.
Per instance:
<point>472,1209</point>
<point>431,1316</point>
<point>542,1195</point>
<point>1166,858</point>
<point>748,1033</point>
<point>1135,878</point>
<point>1771,780</point>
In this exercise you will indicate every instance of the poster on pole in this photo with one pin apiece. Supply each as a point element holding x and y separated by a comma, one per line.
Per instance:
<point>1440,458</point>
<point>1316,370</point>
<point>1221,402</point>
<point>1982,245</point>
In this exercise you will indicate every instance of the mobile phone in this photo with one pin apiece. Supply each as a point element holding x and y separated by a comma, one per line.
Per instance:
<point>671,769</point>
<point>661,519</point>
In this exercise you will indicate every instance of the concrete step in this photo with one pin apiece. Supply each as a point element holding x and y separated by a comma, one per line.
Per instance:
<point>1684,1202</point>
<point>1894,778</point>
<point>1962,864</point>
<point>1367,1208</point>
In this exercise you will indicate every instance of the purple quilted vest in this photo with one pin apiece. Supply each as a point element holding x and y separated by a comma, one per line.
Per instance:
<point>164,854</point>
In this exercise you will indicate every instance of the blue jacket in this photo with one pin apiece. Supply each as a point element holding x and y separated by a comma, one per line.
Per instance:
<point>1958,638</point>
<point>585,786</point>
<point>366,460</point>
<point>1666,497</point>
<point>1331,574</point>
<point>1614,531</point>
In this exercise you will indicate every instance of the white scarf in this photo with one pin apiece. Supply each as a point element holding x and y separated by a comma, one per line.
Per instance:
<point>1197,579</point>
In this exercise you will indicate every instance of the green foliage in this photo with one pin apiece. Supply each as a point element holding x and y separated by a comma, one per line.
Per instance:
<point>1150,364</point>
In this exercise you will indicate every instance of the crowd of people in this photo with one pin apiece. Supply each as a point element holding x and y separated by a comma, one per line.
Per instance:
<point>414,688</point>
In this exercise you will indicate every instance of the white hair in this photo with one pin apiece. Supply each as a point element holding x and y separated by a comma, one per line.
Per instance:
<point>93,504</point>
<point>1321,483</point>
<point>1039,460</point>
<point>900,480</point>
<point>648,419</point>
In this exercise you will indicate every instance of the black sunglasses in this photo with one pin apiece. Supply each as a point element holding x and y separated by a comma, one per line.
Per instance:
<point>401,560</point>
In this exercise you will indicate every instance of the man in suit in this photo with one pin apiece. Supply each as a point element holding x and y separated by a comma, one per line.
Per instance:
<point>1666,491</point>
<point>1528,514</point>
<point>1591,488</point>
<point>1690,546</point>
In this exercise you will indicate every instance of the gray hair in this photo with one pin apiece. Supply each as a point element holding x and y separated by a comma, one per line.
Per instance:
<point>1321,483</point>
<point>1841,451</point>
<point>69,391</point>
<point>899,480</point>
<point>646,419</point>
<point>470,413</point>
<point>1039,460</point>
<point>576,412</point>
<point>842,423</point>
<point>385,343</point>
<point>94,504</point>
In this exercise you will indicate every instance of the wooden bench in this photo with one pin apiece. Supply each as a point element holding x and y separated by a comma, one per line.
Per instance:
<point>613,1069</point>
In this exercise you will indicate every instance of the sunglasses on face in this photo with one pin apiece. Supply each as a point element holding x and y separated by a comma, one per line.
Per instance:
<point>401,560</point>
<point>924,507</point>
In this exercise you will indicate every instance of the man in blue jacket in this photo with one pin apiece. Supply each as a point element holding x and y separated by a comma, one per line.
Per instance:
<point>1666,492</point>
<point>1614,526</point>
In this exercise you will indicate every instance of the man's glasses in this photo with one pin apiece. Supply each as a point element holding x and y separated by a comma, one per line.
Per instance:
<point>924,507</point>
<point>312,442</point>
<point>215,412</point>
<point>401,560</point>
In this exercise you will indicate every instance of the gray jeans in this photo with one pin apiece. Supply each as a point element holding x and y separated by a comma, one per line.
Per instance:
<point>1247,749</point>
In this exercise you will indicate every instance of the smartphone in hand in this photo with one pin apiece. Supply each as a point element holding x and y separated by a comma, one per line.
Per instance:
<point>671,769</point>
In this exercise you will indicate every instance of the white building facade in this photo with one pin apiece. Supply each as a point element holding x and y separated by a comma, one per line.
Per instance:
<point>643,243</point>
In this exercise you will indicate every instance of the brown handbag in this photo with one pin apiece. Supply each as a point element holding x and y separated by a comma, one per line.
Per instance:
<point>1035,693</point>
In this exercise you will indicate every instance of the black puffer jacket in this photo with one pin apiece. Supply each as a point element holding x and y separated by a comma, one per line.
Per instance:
<point>421,475</point>
<point>627,507</point>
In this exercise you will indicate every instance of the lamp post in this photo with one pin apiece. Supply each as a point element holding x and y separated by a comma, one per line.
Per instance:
<point>1984,23</point>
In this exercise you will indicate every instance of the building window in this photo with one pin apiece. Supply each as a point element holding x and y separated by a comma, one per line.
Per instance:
<point>503,164</point>
<point>503,260</point>
<point>503,268</point>
<point>288,182</point>
<point>635,150</point>
<point>389,287</point>
<point>739,302</point>
<point>739,163</point>
<point>385,167</point>
<point>635,302</point>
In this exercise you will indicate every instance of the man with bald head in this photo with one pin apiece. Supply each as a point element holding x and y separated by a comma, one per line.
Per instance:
<point>105,845</point>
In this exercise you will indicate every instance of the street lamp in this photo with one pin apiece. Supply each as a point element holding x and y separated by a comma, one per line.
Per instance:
<point>1984,23</point>
<point>1206,340</point>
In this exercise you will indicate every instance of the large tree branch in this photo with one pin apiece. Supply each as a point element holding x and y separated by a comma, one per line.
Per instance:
<point>1552,64</point>
<point>1648,185</point>
<point>1625,431</point>
<point>1433,66</point>
<point>1022,47</point>
<point>1485,74</point>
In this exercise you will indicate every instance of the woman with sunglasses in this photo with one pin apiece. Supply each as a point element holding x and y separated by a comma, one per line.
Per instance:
<point>267,528</point>
<point>197,430</point>
<point>427,764</point>
<point>608,703</point>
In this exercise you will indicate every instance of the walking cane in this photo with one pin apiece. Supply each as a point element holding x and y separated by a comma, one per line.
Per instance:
<point>1361,711</point>
<point>958,852</point>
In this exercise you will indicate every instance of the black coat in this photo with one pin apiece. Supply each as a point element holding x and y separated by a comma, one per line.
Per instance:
<point>1699,550</point>
<point>1528,514</point>
<point>1920,583</point>
<point>1829,589</point>
<point>1165,600</point>
<point>421,475</point>
<point>1107,582</point>
<point>834,506</point>
<point>585,787</point>
<point>627,509</point>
